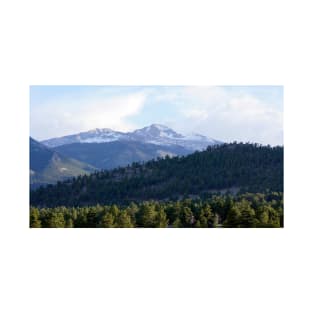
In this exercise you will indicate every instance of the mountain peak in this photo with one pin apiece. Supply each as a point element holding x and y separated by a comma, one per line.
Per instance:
<point>156,134</point>
<point>159,126</point>
<point>154,127</point>
<point>99,130</point>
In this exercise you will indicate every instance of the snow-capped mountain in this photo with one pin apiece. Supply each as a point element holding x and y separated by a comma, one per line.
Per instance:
<point>96,135</point>
<point>163,135</point>
<point>154,134</point>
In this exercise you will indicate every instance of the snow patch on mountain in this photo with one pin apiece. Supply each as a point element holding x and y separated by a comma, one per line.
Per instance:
<point>154,134</point>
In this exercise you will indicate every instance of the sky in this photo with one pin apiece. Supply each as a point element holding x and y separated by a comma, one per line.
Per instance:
<point>226,113</point>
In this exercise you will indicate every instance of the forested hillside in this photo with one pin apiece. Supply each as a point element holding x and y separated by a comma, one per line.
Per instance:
<point>248,167</point>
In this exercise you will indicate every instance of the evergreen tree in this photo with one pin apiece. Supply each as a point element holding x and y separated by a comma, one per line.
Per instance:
<point>247,218</point>
<point>177,223</point>
<point>246,210</point>
<point>34,218</point>
<point>132,210</point>
<point>57,220</point>
<point>114,210</point>
<point>161,219</point>
<point>147,217</point>
<point>233,217</point>
<point>274,218</point>
<point>198,224</point>
<point>206,216</point>
<point>69,223</point>
<point>92,218</point>
<point>107,220</point>
<point>124,220</point>
<point>81,220</point>
<point>186,217</point>
<point>215,220</point>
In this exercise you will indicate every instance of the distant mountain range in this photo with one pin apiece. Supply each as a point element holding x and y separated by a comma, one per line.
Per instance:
<point>48,166</point>
<point>154,134</point>
<point>60,158</point>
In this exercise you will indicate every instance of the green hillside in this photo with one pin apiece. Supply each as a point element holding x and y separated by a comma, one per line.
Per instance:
<point>233,166</point>
<point>48,166</point>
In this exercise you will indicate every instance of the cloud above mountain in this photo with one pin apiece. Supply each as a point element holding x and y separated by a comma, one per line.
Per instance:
<point>228,116</point>
<point>71,114</point>
<point>242,113</point>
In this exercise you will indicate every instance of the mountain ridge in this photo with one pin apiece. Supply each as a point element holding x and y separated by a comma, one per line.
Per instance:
<point>157,134</point>
<point>109,155</point>
<point>48,166</point>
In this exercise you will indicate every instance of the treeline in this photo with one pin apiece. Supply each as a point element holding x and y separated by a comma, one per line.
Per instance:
<point>246,210</point>
<point>251,167</point>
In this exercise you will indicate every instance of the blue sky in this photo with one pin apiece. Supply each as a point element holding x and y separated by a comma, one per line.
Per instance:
<point>227,113</point>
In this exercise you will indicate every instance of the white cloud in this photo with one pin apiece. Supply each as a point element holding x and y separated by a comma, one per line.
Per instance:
<point>220,114</point>
<point>195,114</point>
<point>213,111</point>
<point>112,112</point>
<point>68,116</point>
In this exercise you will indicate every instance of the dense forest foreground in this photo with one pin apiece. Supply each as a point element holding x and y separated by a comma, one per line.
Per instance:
<point>246,210</point>
<point>230,185</point>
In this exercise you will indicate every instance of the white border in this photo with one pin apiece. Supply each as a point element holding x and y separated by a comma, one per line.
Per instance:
<point>168,43</point>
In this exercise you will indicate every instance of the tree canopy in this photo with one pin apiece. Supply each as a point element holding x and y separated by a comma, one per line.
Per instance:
<point>245,211</point>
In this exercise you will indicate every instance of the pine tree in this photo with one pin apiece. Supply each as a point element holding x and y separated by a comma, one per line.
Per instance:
<point>69,223</point>
<point>57,220</point>
<point>91,218</point>
<point>107,220</point>
<point>124,220</point>
<point>177,223</point>
<point>215,220</point>
<point>274,218</point>
<point>247,218</point>
<point>186,217</point>
<point>114,210</point>
<point>147,218</point>
<point>161,219</point>
<point>34,218</point>
<point>206,216</point>
<point>132,211</point>
<point>233,217</point>
<point>198,224</point>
